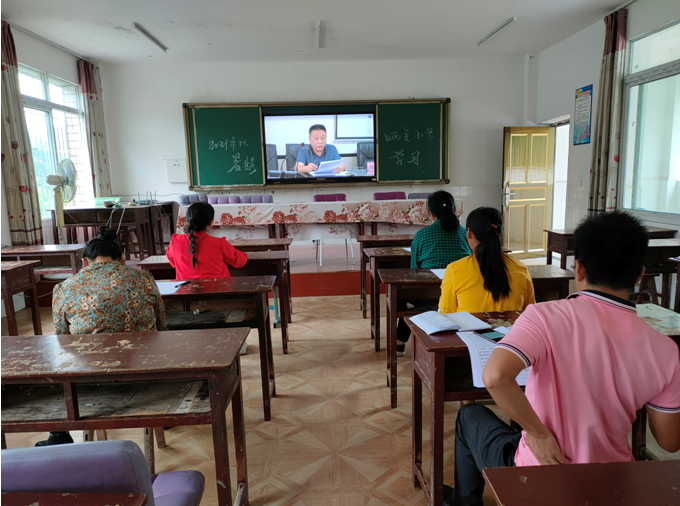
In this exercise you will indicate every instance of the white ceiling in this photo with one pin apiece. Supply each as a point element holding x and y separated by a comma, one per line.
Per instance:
<point>284,30</point>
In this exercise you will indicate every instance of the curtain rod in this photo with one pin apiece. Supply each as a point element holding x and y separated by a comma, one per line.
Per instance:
<point>43,39</point>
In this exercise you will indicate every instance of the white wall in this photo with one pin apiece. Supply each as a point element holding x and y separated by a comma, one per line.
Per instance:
<point>574,63</point>
<point>41,56</point>
<point>143,109</point>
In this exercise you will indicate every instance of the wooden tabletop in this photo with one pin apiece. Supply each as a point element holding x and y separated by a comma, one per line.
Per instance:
<point>549,272</point>
<point>237,243</point>
<point>162,260</point>
<point>449,341</point>
<point>616,483</point>
<point>11,265</point>
<point>570,231</point>
<point>213,286</point>
<point>155,260</point>
<point>72,499</point>
<point>408,276</point>
<point>47,249</point>
<point>135,352</point>
<point>660,319</point>
<point>396,251</point>
<point>664,243</point>
<point>385,238</point>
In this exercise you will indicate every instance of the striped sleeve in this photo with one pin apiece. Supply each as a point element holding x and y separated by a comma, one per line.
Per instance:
<point>527,339</point>
<point>668,400</point>
<point>520,354</point>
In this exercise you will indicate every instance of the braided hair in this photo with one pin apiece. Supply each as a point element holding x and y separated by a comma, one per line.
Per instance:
<point>199,217</point>
<point>486,223</point>
<point>443,207</point>
<point>104,245</point>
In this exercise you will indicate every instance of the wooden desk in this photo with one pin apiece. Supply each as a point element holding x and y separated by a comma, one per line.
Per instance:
<point>676,306</point>
<point>377,241</point>
<point>54,258</point>
<point>72,499</point>
<point>548,279</point>
<point>382,258</point>
<point>657,262</point>
<point>254,289</point>
<point>615,483</point>
<point>430,368</point>
<point>262,244</point>
<point>562,241</point>
<point>260,263</point>
<point>115,381</point>
<point>419,287</point>
<point>18,277</point>
<point>133,218</point>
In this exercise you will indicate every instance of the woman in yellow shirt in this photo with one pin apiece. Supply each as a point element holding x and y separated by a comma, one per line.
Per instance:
<point>487,280</point>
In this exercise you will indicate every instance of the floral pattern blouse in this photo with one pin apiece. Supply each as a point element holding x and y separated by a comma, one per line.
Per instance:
<point>108,297</point>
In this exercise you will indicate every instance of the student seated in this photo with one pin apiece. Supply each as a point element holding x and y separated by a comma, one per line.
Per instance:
<point>594,363</point>
<point>105,296</point>
<point>436,246</point>
<point>197,254</point>
<point>487,280</point>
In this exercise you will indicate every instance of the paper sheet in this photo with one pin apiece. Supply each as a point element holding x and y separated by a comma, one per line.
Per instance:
<point>480,350</point>
<point>408,249</point>
<point>432,322</point>
<point>438,272</point>
<point>328,166</point>
<point>503,330</point>
<point>168,287</point>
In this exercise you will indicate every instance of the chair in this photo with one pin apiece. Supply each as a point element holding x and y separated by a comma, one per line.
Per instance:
<point>187,200</point>
<point>97,467</point>
<point>331,197</point>
<point>231,199</point>
<point>273,170</point>
<point>257,199</point>
<point>291,156</point>
<point>389,196</point>
<point>365,153</point>
<point>412,196</point>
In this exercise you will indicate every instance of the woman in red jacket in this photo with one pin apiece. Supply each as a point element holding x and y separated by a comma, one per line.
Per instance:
<point>197,254</point>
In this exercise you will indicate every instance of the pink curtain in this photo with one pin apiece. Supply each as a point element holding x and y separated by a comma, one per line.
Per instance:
<point>21,192</point>
<point>604,166</point>
<point>90,85</point>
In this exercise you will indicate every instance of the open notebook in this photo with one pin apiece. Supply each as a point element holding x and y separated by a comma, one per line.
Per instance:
<point>433,322</point>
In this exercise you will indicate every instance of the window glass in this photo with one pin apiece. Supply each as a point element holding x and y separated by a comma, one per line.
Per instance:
<point>652,177</point>
<point>69,144</point>
<point>38,124</point>
<point>30,83</point>
<point>655,49</point>
<point>63,93</point>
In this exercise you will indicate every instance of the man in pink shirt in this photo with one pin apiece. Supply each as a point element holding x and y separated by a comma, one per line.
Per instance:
<point>593,361</point>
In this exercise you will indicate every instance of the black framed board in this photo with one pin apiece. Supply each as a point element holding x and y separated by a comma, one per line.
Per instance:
<point>226,148</point>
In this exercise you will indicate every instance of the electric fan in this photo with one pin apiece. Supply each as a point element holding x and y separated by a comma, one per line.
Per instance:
<point>64,182</point>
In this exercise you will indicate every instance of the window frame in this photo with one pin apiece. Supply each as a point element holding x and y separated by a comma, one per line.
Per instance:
<point>48,107</point>
<point>631,80</point>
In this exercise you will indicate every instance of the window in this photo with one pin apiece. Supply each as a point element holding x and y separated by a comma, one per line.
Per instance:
<point>651,182</point>
<point>56,125</point>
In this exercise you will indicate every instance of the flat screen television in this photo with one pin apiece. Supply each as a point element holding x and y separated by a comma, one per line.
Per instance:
<point>320,149</point>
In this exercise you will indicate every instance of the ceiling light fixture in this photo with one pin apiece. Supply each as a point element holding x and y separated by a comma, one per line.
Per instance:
<point>146,34</point>
<point>510,20</point>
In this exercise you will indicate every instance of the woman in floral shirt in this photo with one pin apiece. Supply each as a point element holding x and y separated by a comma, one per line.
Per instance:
<point>105,296</point>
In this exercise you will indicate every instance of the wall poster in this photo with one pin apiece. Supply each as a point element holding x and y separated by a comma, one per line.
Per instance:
<point>583,108</point>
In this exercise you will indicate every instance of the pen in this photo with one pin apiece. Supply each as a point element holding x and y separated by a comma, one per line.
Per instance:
<point>183,283</point>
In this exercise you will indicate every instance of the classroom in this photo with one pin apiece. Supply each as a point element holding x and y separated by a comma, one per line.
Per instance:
<point>340,253</point>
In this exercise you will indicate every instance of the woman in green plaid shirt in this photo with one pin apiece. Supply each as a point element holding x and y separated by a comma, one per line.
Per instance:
<point>436,246</point>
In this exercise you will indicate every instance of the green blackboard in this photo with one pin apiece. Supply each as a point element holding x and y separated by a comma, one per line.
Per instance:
<point>412,141</point>
<point>225,145</point>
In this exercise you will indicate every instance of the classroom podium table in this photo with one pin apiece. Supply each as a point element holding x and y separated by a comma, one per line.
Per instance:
<point>70,499</point>
<point>382,258</point>
<point>442,364</point>
<point>377,241</point>
<point>54,258</point>
<point>243,303</point>
<point>614,483</point>
<point>138,379</point>
<point>562,241</point>
<point>18,277</point>
<point>260,263</point>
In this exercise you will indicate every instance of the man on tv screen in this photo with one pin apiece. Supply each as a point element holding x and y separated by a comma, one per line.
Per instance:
<point>310,156</point>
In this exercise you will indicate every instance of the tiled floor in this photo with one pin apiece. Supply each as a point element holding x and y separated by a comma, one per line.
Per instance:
<point>333,439</point>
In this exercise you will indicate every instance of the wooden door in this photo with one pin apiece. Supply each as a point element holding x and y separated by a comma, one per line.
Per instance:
<point>528,174</point>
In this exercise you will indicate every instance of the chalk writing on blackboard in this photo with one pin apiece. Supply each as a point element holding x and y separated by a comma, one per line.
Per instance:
<point>427,134</point>
<point>399,157</point>
<point>227,143</point>
<point>248,164</point>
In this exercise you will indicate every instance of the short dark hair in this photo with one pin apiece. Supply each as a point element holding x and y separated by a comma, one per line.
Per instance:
<point>611,247</point>
<point>104,245</point>
<point>318,126</point>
